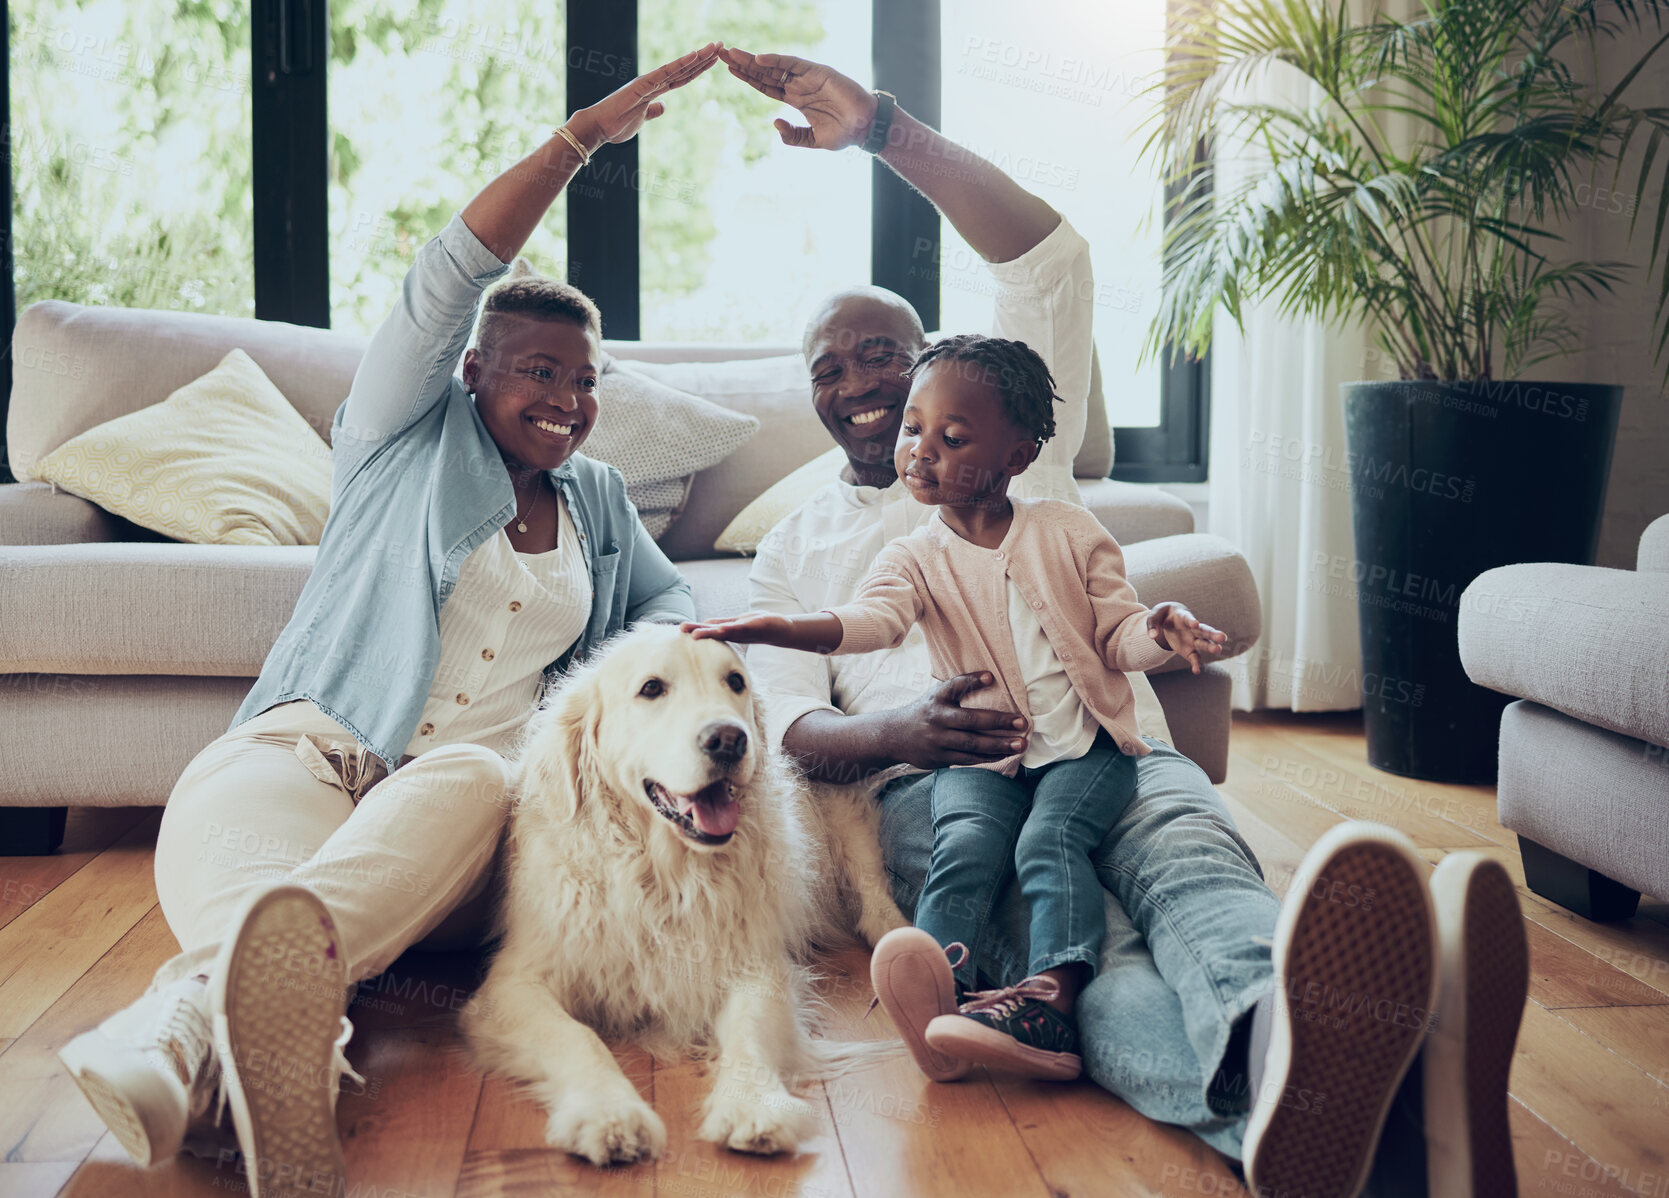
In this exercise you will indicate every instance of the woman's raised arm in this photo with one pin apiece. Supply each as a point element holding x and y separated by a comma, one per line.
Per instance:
<point>407,367</point>
<point>507,210</point>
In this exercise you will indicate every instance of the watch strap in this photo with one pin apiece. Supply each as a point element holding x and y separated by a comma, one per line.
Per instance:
<point>885,103</point>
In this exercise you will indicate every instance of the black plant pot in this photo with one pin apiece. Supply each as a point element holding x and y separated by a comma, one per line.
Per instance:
<point>1449,480</point>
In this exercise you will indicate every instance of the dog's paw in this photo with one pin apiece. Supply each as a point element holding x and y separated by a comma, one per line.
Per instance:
<point>759,1123</point>
<point>608,1131</point>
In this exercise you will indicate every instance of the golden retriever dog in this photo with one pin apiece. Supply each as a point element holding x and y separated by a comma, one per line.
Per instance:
<point>667,876</point>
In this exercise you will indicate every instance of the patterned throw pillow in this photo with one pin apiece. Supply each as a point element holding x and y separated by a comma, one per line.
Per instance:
<point>659,438</point>
<point>225,460</point>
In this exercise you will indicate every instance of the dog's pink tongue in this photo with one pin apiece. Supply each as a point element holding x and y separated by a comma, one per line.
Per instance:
<point>715,810</point>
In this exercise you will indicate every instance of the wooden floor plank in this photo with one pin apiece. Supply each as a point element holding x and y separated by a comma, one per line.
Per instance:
<point>1640,1035</point>
<point>1339,740</point>
<point>1095,1144</point>
<point>88,831</point>
<point>1610,1110</point>
<point>109,1173</point>
<point>508,1154</point>
<point>1355,790</point>
<point>58,937</point>
<point>697,1169</point>
<point>407,1126</point>
<point>1548,1163</point>
<point>44,1116</point>
<point>902,1134</point>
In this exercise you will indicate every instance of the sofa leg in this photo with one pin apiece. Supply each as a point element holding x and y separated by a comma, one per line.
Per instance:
<point>1574,886</point>
<point>31,831</point>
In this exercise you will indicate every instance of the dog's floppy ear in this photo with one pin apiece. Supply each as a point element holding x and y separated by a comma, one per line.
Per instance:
<point>561,748</point>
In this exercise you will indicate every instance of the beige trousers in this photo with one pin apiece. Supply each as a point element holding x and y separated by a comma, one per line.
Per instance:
<point>291,796</point>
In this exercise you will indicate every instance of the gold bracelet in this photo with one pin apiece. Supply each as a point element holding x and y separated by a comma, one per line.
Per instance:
<point>562,132</point>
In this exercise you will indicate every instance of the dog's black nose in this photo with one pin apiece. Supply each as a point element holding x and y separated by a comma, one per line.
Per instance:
<point>723,740</point>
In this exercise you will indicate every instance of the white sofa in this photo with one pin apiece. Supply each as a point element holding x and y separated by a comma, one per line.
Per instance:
<point>1584,776</point>
<point>123,653</point>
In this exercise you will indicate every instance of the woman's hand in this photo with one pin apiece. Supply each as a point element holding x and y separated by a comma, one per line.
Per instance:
<point>839,110</point>
<point>1175,628</point>
<point>818,633</point>
<point>618,116</point>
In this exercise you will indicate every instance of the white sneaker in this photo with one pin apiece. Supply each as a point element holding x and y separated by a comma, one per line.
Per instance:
<point>1485,970</point>
<point>150,1070</point>
<point>277,994</point>
<point>1355,982</point>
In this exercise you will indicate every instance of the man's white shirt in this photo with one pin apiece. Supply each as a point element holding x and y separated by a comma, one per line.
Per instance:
<point>815,558</point>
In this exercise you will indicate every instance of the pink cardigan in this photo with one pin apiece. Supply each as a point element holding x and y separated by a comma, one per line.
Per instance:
<point>1064,564</point>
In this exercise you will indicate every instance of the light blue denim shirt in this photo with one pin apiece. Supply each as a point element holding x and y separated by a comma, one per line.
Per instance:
<point>417,482</point>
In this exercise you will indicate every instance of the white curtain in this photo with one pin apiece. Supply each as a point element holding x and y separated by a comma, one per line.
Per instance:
<point>1280,483</point>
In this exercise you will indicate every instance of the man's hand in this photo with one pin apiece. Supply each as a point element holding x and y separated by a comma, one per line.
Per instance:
<point>936,730</point>
<point>839,109</point>
<point>1176,629</point>
<point>814,633</point>
<point>619,115</point>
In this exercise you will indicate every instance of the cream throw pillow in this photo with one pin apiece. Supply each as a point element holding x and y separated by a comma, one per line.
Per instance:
<point>744,533</point>
<point>225,460</point>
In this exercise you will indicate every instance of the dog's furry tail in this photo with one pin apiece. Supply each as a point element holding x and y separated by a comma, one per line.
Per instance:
<point>828,1059</point>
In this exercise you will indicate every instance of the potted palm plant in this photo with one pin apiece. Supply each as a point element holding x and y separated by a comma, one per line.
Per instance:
<point>1418,184</point>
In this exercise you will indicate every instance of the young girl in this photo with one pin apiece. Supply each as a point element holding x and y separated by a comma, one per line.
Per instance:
<point>1033,593</point>
<point>355,805</point>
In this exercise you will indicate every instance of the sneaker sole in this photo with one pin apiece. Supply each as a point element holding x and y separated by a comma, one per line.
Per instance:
<point>117,1106</point>
<point>281,990</point>
<point>972,1041</point>
<point>1485,966</point>
<point>889,973</point>
<point>1356,978</point>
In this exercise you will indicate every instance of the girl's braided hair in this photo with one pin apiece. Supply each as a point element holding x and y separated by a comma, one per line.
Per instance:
<point>1013,368</point>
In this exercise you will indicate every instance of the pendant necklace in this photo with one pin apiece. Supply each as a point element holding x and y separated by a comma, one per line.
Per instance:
<point>521,521</point>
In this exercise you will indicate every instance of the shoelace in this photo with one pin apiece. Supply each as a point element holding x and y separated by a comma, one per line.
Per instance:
<point>1004,1002</point>
<point>956,946</point>
<point>184,1035</point>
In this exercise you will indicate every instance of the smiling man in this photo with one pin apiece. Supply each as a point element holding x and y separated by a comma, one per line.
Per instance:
<point>1184,1020</point>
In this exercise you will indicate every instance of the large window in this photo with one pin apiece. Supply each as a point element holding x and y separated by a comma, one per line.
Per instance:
<point>741,235</point>
<point>427,102</point>
<point>130,154</point>
<point>248,160</point>
<point>1051,93</point>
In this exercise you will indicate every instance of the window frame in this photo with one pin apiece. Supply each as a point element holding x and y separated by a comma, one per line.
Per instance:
<point>290,140</point>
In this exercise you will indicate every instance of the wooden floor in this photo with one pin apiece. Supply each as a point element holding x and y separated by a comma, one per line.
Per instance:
<point>80,933</point>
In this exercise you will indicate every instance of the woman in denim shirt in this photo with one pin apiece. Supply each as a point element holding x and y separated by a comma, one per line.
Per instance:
<point>356,804</point>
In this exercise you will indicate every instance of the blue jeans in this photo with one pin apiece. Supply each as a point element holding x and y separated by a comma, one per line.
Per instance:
<point>1043,825</point>
<point>1178,963</point>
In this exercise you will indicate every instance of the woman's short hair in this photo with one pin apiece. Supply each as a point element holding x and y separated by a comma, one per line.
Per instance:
<point>525,293</point>
<point>1013,368</point>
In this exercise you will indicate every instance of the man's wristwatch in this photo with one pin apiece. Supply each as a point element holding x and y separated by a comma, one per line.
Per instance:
<point>885,102</point>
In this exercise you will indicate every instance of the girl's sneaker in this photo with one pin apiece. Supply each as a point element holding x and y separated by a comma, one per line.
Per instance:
<point>1014,1030</point>
<point>913,981</point>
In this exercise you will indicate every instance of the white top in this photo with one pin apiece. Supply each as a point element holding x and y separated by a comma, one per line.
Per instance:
<point>509,616</point>
<point>1062,727</point>
<point>815,558</point>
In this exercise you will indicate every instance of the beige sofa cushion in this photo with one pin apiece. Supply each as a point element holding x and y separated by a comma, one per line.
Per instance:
<point>77,367</point>
<point>773,389</point>
<point>1590,642</point>
<point>224,460</point>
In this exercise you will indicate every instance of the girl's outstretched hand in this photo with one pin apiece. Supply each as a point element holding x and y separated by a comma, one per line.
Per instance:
<point>1175,627</point>
<point>618,116</point>
<point>812,633</point>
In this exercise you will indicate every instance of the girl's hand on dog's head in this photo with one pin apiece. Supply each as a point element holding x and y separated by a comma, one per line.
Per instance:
<point>746,630</point>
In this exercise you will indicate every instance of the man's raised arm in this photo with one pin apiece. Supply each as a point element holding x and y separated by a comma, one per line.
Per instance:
<point>995,215</point>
